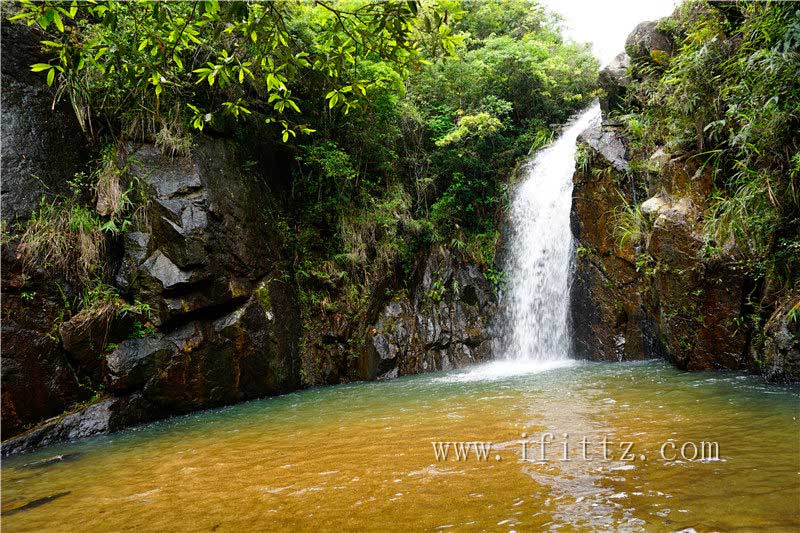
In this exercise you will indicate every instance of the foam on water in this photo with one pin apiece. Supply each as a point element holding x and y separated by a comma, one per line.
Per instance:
<point>504,368</point>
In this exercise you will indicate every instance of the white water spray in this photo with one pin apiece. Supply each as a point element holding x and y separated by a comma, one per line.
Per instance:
<point>540,251</point>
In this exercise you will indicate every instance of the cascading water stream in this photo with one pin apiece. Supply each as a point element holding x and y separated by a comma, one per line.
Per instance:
<point>539,264</point>
<point>540,251</point>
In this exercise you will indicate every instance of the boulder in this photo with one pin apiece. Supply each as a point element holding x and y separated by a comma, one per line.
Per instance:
<point>131,364</point>
<point>614,81</point>
<point>648,44</point>
<point>609,144</point>
<point>780,354</point>
<point>87,335</point>
<point>100,418</point>
<point>206,363</point>
<point>653,207</point>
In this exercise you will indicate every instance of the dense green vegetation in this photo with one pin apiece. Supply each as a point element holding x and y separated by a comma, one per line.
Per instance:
<point>728,100</point>
<point>404,120</point>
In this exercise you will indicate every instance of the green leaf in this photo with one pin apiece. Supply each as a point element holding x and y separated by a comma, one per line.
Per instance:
<point>39,67</point>
<point>59,23</point>
<point>51,76</point>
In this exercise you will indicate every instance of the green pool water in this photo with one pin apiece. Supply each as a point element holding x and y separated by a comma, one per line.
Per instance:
<point>361,457</point>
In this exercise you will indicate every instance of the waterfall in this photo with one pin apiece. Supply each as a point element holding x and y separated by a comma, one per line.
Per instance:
<point>538,264</point>
<point>539,256</point>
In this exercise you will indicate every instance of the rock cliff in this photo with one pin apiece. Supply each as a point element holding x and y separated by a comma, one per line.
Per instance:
<point>644,284</point>
<point>206,309</point>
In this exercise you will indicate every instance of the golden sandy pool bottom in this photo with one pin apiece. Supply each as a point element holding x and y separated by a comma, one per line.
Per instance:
<point>361,457</point>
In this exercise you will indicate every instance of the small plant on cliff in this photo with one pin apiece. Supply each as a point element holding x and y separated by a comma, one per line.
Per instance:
<point>437,292</point>
<point>631,226</point>
<point>63,240</point>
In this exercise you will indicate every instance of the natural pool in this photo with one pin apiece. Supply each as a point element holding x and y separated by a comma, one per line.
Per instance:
<point>360,457</point>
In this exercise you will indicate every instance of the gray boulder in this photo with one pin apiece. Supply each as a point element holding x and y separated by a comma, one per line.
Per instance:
<point>105,416</point>
<point>646,43</point>
<point>781,348</point>
<point>614,81</point>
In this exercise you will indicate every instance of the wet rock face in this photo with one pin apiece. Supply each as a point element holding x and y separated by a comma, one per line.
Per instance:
<point>41,147</point>
<point>206,364</point>
<point>203,262</point>
<point>37,380</point>
<point>700,302</point>
<point>660,297</point>
<point>445,324</point>
<point>225,328</point>
<point>608,299</point>
<point>601,177</point>
<point>207,241</point>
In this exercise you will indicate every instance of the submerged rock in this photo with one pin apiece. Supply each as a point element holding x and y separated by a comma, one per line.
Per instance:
<point>35,503</point>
